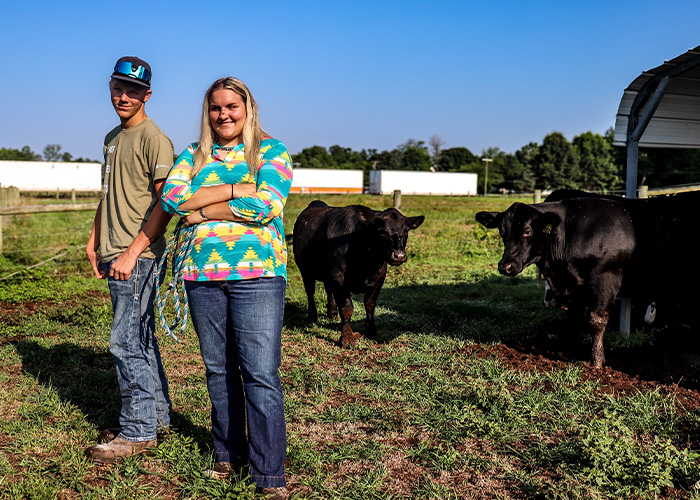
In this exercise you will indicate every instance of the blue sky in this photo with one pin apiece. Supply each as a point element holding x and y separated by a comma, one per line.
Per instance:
<point>360,74</point>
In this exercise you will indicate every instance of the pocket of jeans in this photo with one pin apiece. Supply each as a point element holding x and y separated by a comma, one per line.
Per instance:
<point>135,278</point>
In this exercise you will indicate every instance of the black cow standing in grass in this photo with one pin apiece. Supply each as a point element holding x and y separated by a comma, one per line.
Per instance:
<point>582,246</point>
<point>662,273</point>
<point>591,248</point>
<point>347,249</point>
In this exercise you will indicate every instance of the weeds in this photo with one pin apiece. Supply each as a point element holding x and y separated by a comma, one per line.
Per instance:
<point>431,409</point>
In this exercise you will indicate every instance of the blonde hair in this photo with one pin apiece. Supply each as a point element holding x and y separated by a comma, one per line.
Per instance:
<point>252,131</point>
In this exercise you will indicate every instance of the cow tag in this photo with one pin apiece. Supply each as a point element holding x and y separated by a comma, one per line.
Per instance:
<point>547,229</point>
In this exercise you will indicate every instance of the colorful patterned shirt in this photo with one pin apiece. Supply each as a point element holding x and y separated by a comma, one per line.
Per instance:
<point>228,250</point>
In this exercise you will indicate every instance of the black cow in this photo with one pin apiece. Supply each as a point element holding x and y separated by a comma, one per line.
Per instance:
<point>582,246</point>
<point>566,194</point>
<point>662,273</point>
<point>591,248</point>
<point>347,249</point>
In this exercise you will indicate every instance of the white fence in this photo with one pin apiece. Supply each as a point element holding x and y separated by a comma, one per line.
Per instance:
<point>50,176</point>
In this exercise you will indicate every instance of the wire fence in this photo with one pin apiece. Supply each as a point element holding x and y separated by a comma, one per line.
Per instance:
<point>41,239</point>
<point>50,239</point>
<point>53,243</point>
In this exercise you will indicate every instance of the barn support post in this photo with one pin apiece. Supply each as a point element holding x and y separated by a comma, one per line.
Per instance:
<point>636,126</point>
<point>630,192</point>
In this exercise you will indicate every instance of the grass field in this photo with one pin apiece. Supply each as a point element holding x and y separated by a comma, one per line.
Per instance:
<point>440,406</point>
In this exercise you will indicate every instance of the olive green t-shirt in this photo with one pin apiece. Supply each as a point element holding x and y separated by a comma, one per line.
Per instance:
<point>135,158</point>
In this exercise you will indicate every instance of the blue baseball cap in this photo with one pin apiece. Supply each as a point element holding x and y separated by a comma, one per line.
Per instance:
<point>134,70</point>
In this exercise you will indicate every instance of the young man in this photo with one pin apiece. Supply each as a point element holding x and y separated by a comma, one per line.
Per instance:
<point>126,240</point>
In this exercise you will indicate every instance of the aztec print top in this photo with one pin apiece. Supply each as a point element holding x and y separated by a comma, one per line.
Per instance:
<point>228,250</point>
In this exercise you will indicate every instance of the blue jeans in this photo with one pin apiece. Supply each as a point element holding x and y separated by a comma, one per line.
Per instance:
<point>142,382</point>
<point>239,325</point>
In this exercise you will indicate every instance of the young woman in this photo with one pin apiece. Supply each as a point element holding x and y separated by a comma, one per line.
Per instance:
<point>233,185</point>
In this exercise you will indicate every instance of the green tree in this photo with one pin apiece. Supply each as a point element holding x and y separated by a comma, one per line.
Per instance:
<point>80,159</point>
<point>596,163</point>
<point>387,160</point>
<point>415,155</point>
<point>525,157</point>
<point>556,164</point>
<point>52,152</point>
<point>346,158</point>
<point>455,159</point>
<point>313,157</point>
<point>516,176</point>
<point>25,154</point>
<point>619,153</point>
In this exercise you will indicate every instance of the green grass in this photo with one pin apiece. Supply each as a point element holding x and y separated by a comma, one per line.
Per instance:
<point>430,409</point>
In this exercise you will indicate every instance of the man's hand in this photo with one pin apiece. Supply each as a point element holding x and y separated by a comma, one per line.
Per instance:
<point>94,260</point>
<point>122,266</point>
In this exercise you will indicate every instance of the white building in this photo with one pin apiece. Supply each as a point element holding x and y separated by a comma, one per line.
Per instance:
<point>326,180</point>
<point>50,176</point>
<point>412,182</point>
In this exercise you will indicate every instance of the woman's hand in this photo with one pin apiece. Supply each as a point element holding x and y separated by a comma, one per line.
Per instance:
<point>194,218</point>
<point>238,190</point>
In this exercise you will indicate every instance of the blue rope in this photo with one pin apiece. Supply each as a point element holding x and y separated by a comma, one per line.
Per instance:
<point>180,246</point>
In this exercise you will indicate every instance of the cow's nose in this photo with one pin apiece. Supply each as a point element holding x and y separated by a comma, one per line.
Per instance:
<point>398,256</point>
<point>505,268</point>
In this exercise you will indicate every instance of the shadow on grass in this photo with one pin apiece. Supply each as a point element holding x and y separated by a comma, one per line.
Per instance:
<point>87,379</point>
<point>483,311</point>
<point>510,311</point>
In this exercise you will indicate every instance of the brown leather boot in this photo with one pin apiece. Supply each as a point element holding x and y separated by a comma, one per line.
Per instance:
<point>117,449</point>
<point>280,493</point>
<point>221,471</point>
<point>108,434</point>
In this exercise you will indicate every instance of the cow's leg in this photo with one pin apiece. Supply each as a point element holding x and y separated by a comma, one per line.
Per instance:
<point>332,306</point>
<point>598,322</point>
<point>370,304</point>
<point>310,288</point>
<point>607,286</point>
<point>348,338</point>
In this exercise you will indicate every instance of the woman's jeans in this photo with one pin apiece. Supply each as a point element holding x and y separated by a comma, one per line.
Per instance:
<point>239,325</point>
<point>142,382</point>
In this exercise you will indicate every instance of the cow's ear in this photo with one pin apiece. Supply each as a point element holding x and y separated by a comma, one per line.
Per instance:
<point>414,222</point>
<point>548,222</point>
<point>489,219</point>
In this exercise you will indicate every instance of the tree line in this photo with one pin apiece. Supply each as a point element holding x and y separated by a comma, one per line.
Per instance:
<point>589,162</point>
<point>52,152</point>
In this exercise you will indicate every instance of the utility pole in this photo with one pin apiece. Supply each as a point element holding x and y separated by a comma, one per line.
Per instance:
<point>486,172</point>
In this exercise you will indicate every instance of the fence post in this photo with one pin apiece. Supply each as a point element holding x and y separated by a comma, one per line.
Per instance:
<point>9,196</point>
<point>643,192</point>
<point>397,199</point>
<point>538,196</point>
<point>3,198</point>
<point>72,195</point>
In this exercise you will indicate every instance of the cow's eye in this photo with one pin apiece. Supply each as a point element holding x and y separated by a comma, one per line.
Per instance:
<point>527,233</point>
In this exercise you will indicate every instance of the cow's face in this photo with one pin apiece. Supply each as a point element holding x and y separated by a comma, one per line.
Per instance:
<point>524,231</point>
<point>392,228</point>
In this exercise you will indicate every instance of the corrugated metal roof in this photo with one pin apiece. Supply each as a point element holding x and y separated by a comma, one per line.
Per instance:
<point>676,121</point>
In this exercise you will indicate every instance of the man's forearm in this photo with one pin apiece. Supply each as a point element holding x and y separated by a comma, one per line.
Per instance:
<point>154,227</point>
